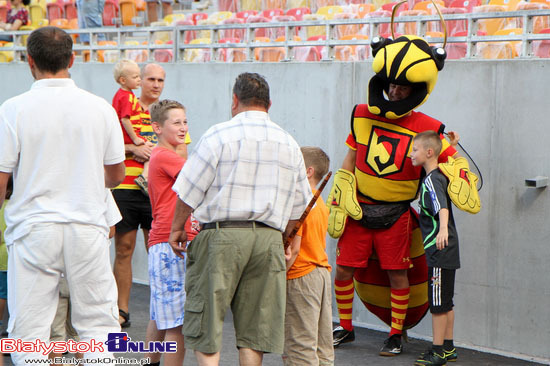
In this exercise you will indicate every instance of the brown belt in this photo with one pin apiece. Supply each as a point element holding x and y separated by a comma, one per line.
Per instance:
<point>233,224</point>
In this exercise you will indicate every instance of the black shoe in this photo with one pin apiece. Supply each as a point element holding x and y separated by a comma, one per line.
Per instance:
<point>392,346</point>
<point>430,358</point>
<point>451,355</point>
<point>341,335</point>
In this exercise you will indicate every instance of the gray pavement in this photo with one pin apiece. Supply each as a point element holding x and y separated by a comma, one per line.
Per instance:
<point>363,351</point>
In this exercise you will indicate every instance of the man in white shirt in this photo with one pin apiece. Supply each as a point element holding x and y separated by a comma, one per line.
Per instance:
<point>63,147</point>
<point>246,182</point>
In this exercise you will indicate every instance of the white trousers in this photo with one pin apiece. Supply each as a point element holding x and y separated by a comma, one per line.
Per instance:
<point>35,263</point>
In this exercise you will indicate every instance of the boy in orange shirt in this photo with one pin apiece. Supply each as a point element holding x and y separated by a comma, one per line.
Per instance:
<point>308,319</point>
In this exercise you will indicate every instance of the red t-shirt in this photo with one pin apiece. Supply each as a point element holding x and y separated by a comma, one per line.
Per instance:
<point>126,105</point>
<point>164,167</point>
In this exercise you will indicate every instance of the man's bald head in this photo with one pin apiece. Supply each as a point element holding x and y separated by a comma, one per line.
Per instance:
<point>152,83</point>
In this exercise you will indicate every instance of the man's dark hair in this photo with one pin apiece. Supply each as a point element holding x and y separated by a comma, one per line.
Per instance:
<point>252,90</point>
<point>51,49</point>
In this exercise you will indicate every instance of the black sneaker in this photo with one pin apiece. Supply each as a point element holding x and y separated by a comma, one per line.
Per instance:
<point>451,355</point>
<point>430,358</point>
<point>341,335</point>
<point>392,346</point>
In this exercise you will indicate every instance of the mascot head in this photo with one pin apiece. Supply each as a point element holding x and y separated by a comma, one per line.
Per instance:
<point>407,60</point>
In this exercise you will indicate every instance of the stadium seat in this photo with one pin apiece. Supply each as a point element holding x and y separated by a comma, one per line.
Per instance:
<point>110,13</point>
<point>314,30</point>
<point>304,54</point>
<point>321,49</point>
<point>251,5</point>
<point>428,6</point>
<point>73,23</point>
<point>352,53</point>
<point>195,17</point>
<point>539,23</point>
<point>245,14</point>
<point>409,27</point>
<point>496,50</point>
<point>162,36</point>
<point>318,4</point>
<point>37,13</point>
<point>389,7</point>
<point>510,5</point>
<point>542,48</point>
<point>344,30</point>
<point>457,51</point>
<point>466,4</point>
<point>70,9</point>
<point>231,54</point>
<point>60,23</point>
<point>232,33</point>
<point>109,56</point>
<point>383,28</point>
<point>362,9</point>
<point>128,12</point>
<point>228,5</point>
<point>197,54</point>
<point>513,31</point>
<point>280,31</point>
<point>292,4</point>
<point>189,35</point>
<point>330,11</point>
<point>270,13</point>
<point>4,8</point>
<point>453,26</point>
<point>219,16</point>
<point>54,10</point>
<point>430,35</point>
<point>6,56</point>
<point>298,13</point>
<point>206,33</point>
<point>136,55</point>
<point>490,26</point>
<point>259,32</point>
<point>171,19</point>
<point>273,4</point>
<point>272,54</point>
<point>163,55</point>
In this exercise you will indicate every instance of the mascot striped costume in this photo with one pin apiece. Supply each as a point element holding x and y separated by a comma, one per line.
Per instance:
<point>380,253</point>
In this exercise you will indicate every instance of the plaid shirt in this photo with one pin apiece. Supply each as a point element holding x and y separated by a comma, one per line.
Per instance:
<point>248,168</point>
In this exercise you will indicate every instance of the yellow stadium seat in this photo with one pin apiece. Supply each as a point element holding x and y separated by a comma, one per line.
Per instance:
<point>205,33</point>
<point>513,31</point>
<point>37,13</point>
<point>330,11</point>
<point>251,5</point>
<point>292,4</point>
<point>172,18</point>
<point>6,56</point>
<point>163,36</point>
<point>318,4</point>
<point>197,54</point>
<point>218,16</point>
<point>314,30</point>
<point>496,50</point>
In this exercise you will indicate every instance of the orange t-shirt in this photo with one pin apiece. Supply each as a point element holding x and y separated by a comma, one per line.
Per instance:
<point>312,250</point>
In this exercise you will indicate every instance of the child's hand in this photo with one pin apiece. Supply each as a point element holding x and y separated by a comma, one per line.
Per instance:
<point>454,137</point>
<point>442,238</point>
<point>150,144</point>
<point>138,141</point>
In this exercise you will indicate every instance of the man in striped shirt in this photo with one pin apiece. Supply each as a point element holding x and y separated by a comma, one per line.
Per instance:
<point>246,182</point>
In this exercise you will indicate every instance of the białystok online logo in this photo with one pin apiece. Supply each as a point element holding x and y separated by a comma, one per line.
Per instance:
<point>116,342</point>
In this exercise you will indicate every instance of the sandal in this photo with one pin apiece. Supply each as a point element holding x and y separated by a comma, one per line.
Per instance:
<point>126,317</point>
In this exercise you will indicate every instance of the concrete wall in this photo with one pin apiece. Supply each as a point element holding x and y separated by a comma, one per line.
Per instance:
<point>502,112</point>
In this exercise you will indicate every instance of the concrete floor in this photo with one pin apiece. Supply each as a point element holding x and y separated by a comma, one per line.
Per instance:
<point>363,351</point>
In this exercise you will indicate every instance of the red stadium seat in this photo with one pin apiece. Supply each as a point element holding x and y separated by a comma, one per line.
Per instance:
<point>4,8</point>
<point>70,9</point>
<point>260,32</point>
<point>466,4</point>
<point>54,11</point>
<point>298,13</point>
<point>245,14</point>
<point>195,17</point>
<point>228,5</point>
<point>110,12</point>
<point>542,48</point>
<point>190,34</point>
<point>270,13</point>
<point>232,33</point>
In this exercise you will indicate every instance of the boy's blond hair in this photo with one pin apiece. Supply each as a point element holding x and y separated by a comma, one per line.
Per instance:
<point>159,110</point>
<point>430,140</point>
<point>121,67</point>
<point>316,158</point>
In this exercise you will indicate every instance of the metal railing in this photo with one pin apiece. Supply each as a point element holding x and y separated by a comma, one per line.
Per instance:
<point>146,36</point>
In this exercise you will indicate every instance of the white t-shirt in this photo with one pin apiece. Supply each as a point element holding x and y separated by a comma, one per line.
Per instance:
<point>56,139</point>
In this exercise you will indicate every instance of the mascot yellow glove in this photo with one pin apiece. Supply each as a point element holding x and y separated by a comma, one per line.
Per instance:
<point>342,202</point>
<point>462,187</point>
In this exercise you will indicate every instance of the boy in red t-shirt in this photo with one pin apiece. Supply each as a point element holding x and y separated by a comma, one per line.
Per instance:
<point>128,75</point>
<point>308,318</point>
<point>166,270</point>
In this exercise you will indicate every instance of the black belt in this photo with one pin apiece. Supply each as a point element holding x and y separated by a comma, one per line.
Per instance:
<point>233,224</point>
